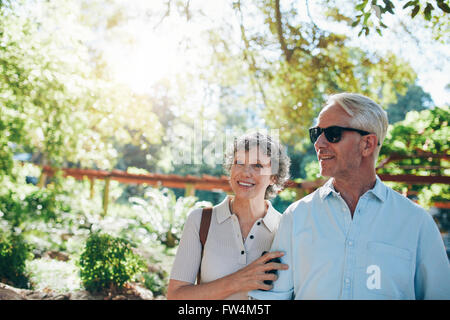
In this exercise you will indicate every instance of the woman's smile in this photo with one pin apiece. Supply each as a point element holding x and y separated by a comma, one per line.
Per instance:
<point>245,184</point>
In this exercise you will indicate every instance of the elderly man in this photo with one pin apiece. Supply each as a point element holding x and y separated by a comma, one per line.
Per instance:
<point>356,238</point>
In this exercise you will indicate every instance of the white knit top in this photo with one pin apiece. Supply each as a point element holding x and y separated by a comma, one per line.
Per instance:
<point>225,250</point>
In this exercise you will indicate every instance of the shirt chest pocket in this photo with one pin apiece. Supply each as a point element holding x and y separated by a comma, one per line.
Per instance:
<point>387,271</point>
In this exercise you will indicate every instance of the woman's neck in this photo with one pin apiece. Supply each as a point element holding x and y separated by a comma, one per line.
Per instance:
<point>248,209</point>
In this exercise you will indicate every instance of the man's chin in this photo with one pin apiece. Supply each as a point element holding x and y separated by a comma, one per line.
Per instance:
<point>324,173</point>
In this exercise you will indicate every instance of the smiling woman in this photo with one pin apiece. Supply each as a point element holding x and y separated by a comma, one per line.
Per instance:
<point>242,228</point>
<point>266,156</point>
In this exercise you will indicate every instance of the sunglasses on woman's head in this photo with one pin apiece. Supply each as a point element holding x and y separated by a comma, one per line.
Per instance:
<point>333,133</point>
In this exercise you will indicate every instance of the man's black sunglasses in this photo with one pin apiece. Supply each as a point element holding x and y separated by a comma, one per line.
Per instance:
<point>333,133</point>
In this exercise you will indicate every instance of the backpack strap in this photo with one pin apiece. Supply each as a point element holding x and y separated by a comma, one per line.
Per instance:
<point>203,233</point>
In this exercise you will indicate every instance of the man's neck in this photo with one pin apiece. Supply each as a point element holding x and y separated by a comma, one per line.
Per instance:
<point>352,189</point>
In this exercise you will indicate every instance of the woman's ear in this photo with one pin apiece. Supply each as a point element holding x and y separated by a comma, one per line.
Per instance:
<point>273,179</point>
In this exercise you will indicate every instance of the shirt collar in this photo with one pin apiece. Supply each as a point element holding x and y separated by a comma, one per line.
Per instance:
<point>326,189</point>
<point>379,190</point>
<point>270,220</point>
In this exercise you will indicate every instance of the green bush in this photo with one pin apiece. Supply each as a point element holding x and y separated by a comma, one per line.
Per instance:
<point>14,253</point>
<point>108,263</point>
<point>41,204</point>
<point>155,283</point>
<point>165,214</point>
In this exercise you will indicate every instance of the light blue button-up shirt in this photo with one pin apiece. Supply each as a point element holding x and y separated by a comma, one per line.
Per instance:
<point>391,249</point>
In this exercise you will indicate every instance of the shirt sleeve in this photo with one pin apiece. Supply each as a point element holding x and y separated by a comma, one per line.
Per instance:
<point>432,279</point>
<point>283,287</point>
<point>188,257</point>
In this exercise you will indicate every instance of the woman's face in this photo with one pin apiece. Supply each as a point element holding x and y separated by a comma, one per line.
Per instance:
<point>250,174</point>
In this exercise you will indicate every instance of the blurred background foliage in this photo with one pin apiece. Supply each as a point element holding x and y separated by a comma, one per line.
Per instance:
<point>128,85</point>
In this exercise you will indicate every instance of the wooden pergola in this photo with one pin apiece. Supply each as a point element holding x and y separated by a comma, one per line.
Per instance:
<point>221,184</point>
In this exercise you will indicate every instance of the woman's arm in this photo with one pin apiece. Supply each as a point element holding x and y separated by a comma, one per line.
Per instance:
<point>249,278</point>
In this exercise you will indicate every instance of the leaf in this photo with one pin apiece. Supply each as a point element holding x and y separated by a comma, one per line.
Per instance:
<point>379,31</point>
<point>377,11</point>
<point>388,6</point>
<point>409,3</point>
<point>427,11</point>
<point>443,6</point>
<point>361,6</point>
<point>415,11</point>
<point>366,17</point>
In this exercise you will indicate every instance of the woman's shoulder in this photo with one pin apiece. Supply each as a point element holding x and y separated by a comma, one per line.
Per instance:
<point>273,211</point>
<point>194,216</point>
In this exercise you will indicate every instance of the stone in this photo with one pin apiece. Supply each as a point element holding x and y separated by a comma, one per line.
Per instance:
<point>143,292</point>
<point>56,255</point>
<point>6,294</point>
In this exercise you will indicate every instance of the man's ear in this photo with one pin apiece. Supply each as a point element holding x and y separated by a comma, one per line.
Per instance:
<point>369,144</point>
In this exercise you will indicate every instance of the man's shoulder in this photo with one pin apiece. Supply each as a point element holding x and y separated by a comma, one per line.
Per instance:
<point>401,200</point>
<point>405,205</point>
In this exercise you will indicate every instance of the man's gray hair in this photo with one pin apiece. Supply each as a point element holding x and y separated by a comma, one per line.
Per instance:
<point>366,114</point>
<point>279,160</point>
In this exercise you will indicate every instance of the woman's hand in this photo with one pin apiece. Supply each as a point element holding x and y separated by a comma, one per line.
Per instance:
<point>252,277</point>
<point>249,278</point>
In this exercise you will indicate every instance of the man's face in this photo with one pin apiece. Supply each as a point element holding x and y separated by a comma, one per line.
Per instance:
<point>340,160</point>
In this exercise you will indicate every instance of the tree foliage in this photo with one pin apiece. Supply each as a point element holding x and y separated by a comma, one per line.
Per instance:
<point>414,99</point>
<point>54,99</point>
<point>426,131</point>
<point>296,65</point>
<point>420,134</point>
<point>432,11</point>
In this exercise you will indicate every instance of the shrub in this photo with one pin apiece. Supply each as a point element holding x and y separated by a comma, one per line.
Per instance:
<point>40,204</point>
<point>108,263</point>
<point>165,213</point>
<point>14,253</point>
<point>155,283</point>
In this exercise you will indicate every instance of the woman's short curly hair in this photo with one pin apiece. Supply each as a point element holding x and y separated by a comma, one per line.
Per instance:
<point>279,160</point>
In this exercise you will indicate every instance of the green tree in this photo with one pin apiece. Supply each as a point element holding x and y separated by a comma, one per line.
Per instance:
<point>57,99</point>
<point>421,133</point>
<point>370,14</point>
<point>414,99</point>
<point>296,65</point>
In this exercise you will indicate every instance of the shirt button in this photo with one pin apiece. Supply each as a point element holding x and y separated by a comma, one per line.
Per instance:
<point>347,282</point>
<point>251,237</point>
<point>350,243</point>
<point>258,223</point>
<point>242,252</point>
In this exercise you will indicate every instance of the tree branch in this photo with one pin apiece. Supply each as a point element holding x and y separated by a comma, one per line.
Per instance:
<point>248,56</point>
<point>279,24</point>
<point>165,15</point>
